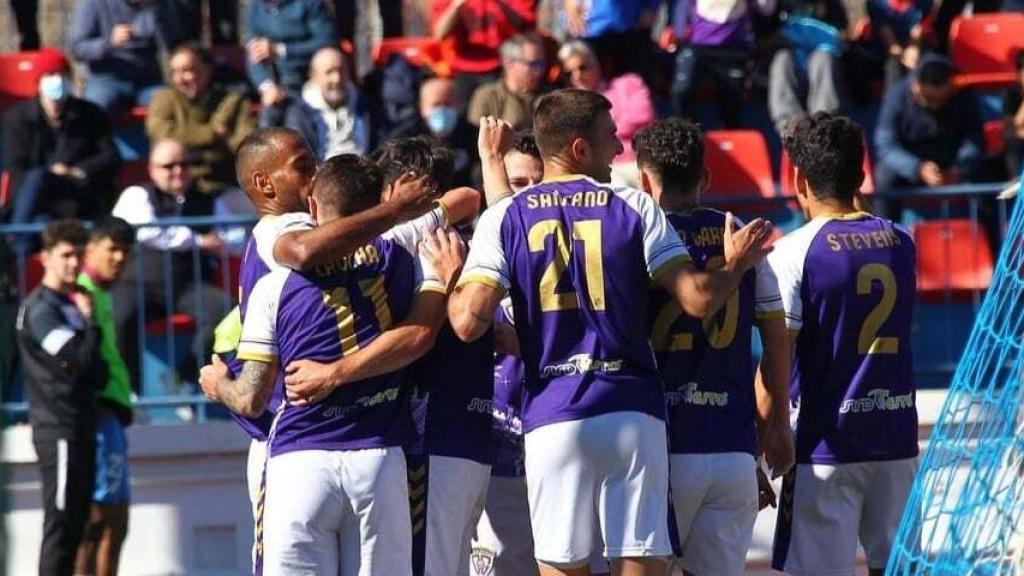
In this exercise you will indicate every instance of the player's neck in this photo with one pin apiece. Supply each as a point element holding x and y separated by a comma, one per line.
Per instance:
<point>557,167</point>
<point>831,207</point>
<point>679,203</point>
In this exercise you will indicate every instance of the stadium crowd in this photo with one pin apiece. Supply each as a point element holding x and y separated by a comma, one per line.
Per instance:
<point>439,139</point>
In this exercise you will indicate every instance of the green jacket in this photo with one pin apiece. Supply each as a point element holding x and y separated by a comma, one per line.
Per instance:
<point>117,394</point>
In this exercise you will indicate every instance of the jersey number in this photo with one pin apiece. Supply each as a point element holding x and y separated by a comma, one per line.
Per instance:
<point>589,233</point>
<point>718,334</point>
<point>338,300</point>
<point>869,342</point>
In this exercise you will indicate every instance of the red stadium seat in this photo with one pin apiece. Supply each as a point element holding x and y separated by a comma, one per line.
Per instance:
<point>131,173</point>
<point>20,73</point>
<point>984,46</point>
<point>178,323</point>
<point>33,271</point>
<point>995,143</point>
<point>234,265</point>
<point>5,189</point>
<point>419,50</point>
<point>739,164</point>
<point>952,255</point>
<point>786,175</point>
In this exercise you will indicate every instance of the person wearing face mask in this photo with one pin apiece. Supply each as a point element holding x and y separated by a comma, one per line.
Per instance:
<point>330,114</point>
<point>59,154</point>
<point>442,119</point>
<point>207,119</point>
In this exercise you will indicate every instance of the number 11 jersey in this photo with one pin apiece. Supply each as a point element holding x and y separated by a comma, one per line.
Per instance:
<point>848,285</point>
<point>577,258</point>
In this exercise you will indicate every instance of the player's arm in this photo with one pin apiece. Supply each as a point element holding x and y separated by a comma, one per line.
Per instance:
<point>307,249</point>
<point>702,293</point>
<point>471,309</point>
<point>775,438</point>
<point>308,382</point>
<point>247,395</point>
<point>493,142</point>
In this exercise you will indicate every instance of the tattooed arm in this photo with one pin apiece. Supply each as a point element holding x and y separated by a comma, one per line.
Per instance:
<point>249,394</point>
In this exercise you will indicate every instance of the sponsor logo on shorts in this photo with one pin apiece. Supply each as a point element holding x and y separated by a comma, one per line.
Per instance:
<point>691,394</point>
<point>581,364</point>
<point>878,399</point>
<point>481,560</point>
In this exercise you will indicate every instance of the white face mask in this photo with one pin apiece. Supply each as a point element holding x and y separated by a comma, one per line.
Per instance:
<point>442,120</point>
<point>55,87</point>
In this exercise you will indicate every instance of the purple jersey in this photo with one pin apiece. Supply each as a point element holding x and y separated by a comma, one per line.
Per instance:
<point>323,316</point>
<point>848,284</point>
<point>577,258</point>
<point>707,367</point>
<point>506,407</point>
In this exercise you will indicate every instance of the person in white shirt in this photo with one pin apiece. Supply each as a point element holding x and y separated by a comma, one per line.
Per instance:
<point>164,258</point>
<point>329,114</point>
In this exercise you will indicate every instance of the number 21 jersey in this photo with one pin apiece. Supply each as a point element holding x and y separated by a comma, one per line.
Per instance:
<point>848,285</point>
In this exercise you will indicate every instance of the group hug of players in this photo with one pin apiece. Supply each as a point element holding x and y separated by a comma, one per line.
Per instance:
<point>577,394</point>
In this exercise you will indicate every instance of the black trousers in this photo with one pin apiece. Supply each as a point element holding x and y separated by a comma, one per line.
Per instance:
<point>68,470</point>
<point>345,18</point>
<point>26,13</point>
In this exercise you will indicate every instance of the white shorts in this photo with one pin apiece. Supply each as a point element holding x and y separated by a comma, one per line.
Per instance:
<point>254,471</point>
<point>715,501</point>
<point>337,513</point>
<point>456,491</point>
<point>607,475</point>
<point>826,509</point>
<point>503,545</point>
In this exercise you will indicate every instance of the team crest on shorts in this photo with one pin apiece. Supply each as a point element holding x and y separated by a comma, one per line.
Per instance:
<point>482,561</point>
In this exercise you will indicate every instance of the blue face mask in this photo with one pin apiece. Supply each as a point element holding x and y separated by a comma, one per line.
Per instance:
<point>55,87</point>
<point>442,120</point>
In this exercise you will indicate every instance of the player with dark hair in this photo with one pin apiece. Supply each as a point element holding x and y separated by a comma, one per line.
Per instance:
<point>106,255</point>
<point>60,352</point>
<point>337,499</point>
<point>420,155</point>
<point>848,283</point>
<point>577,257</point>
<point>708,371</point>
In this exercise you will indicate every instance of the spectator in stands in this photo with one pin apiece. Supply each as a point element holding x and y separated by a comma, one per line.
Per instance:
<point>900,32</point>
<point>345,12</point>
<point>329,114</point>
<point>1013,120</point>
<point>619,32</point>
<point>221,20</point>
<point>59,343</point>
<point>207,119</point>
<point>478,28</point>
<point>443,118</point>
<point>171,193</point>
<point>511,97</point>
<point>929,133</point>
<point>118,41</point>
<point>281,38</point>
<point>632,108</point>
<point>717,44</point>
<point>110,242</point>
<point>26,17</point>
<point>59,154</point>
<point>812,34</point>
<point>391,94</point>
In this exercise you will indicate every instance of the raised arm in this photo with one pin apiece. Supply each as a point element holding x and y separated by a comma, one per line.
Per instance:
<point>493,142</point>
<point>247,395</point>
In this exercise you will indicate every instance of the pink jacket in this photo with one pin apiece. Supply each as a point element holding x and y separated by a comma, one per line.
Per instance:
<point>632,110</point>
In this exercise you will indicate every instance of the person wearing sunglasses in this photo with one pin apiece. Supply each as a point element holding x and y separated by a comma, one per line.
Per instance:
<point>511,98</point>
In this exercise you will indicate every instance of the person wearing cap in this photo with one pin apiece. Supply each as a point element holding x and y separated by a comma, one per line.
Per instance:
<point>59,153</point>
<point>929,133</point>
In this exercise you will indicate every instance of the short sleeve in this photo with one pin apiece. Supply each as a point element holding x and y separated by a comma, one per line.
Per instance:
<point>427,278</point>
<point>270,228</point>
<point>663,249</point>
<point>767,300</point>
<point>409,234</point>
<point>259,329</point>
<point>487,262</point>
<point>786,262</point>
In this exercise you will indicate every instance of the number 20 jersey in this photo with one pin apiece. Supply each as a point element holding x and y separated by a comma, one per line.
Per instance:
<point>848,284</point>
<point>577,258</point>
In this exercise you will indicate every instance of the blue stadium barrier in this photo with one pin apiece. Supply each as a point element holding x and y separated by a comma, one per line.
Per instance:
<point>167,395</point>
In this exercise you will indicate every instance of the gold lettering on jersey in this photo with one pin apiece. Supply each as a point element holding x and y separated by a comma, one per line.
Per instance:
<point>704,237</point>
<point>581,199</point>
<point>364,256</point>
<point>839,241</point>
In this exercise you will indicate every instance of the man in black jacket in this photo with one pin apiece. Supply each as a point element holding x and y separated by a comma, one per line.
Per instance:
<point>60,352</point>
<point>60,154</point>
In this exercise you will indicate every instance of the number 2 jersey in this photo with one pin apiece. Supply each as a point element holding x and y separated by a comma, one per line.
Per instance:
<point>577,258</point>
<point>848,284</point>
<point>707,367</point>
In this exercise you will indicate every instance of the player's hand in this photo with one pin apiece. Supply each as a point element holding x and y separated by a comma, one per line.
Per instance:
<point>745,247</point>
<point>505,340</point>
<point>446,253</point>
<point>776,443</point>
<point>413,195</point>
<point>765,492</point>
<point>211,375</point>
<point>495,138</point>
<point>120,35</point>
<point>83,302</point>
<point>307,382</point>
<point>930,174</point>
<point>260,50</point>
